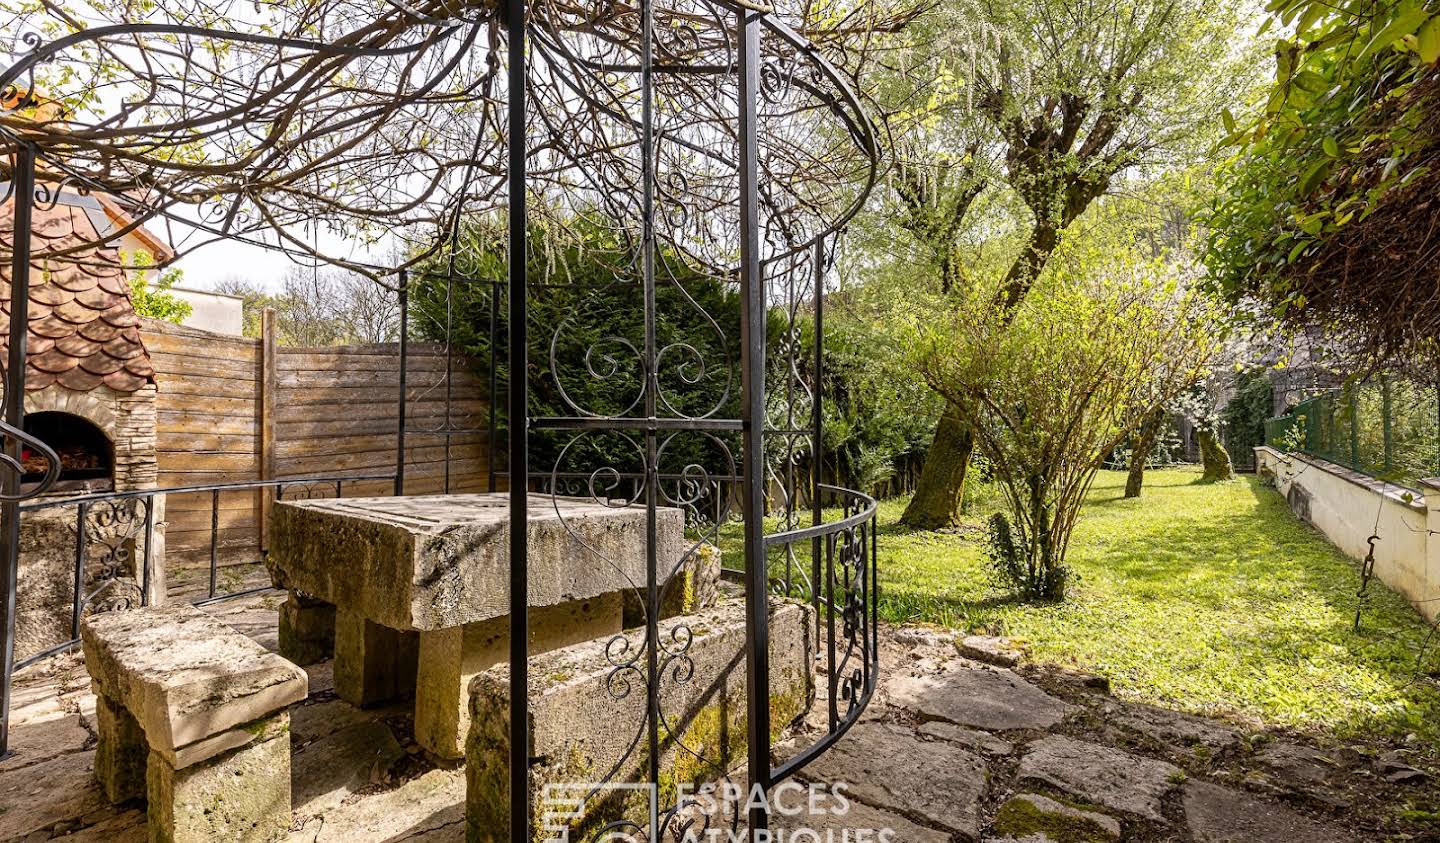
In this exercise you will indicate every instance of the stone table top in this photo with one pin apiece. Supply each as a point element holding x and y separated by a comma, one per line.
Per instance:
<point>440,561</point>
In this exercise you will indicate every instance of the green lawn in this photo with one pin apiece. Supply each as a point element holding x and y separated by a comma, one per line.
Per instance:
<point>1208,598</point>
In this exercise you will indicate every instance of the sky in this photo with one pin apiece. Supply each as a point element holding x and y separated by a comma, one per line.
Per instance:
<point>207,265</point>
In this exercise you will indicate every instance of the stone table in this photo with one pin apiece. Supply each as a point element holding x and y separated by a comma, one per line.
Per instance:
<point>420,596</point>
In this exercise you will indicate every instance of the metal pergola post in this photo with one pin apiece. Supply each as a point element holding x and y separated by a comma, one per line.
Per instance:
<point>752,415</point>
<point>23,198</point>
<point>817,423</point>
<point>520,818</point>
<point>402,399</point>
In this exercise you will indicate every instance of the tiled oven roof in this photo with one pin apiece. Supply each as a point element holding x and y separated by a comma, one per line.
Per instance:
<point>83,327</point>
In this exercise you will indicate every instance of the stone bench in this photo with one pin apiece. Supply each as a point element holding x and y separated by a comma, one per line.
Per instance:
<point>191,715</point>
<point>588,712</point>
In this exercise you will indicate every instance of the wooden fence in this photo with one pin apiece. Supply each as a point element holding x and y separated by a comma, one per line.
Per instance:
<point>232,408</point>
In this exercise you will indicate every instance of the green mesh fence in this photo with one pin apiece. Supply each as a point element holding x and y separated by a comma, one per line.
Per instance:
<point>1386,427</point>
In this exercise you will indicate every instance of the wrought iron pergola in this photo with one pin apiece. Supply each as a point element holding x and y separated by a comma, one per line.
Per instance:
<point>712,140</point>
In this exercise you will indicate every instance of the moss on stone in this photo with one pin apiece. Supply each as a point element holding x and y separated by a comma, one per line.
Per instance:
<point>1019,818</point>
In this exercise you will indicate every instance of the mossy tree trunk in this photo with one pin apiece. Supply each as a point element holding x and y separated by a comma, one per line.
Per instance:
<point>1214,459</point>
<point>1144,444</point>
<point>940,491</point>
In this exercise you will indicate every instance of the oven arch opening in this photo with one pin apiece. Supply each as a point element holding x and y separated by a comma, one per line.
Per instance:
<point>87,456</point>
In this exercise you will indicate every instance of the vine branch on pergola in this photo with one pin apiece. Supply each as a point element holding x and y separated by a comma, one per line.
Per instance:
<point>385,124</point>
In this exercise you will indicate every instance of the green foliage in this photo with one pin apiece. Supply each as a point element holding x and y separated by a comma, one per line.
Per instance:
<point>1211,598</point>
<point>1168,450</point>
<point>1345,128</point>
<point>586,329</point>
<point>1244,416</point>
<point>1254,402</point>
<point>877,414</point>
<point>1011,569</point>
<point>153,298</point>
<point>1019,819</point>
<point>1054,385</point>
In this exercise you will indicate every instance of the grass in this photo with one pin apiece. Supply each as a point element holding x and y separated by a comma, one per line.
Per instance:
<point>1212,598</point>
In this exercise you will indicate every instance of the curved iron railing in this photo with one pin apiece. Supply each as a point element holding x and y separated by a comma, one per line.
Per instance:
<point>844,564</point>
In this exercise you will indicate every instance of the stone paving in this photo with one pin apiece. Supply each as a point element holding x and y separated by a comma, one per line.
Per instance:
<point>952,749</point>
<point>965,738</point>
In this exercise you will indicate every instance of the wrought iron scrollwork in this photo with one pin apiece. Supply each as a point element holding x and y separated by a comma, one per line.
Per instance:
<point>9,435</point>
<point>107,534</point>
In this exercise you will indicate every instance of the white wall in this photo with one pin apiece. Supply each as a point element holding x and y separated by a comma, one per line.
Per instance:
<point>1350,507</point>
<point>212,311</point>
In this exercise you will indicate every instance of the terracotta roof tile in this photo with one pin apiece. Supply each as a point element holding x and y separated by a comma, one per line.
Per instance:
<point>122,348</point>
<point>50,295</point>
<point>98,299</point>
<point>77,346</point>
<point>54,361</point>
<point>74,312</point>
<point>121,316</point>
<point>83,329</point>
<point>102,364</point>
<point>36,379</point>
<point>123,381</point>
<point>80,380</point>
<point>99,331</point>
<point>37,311</point>
<point>72,281</point>
<point>51,326</point>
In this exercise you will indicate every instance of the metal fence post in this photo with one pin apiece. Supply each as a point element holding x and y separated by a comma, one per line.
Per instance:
<point>515,12</point>
<point>1354,427</point>
<point>402,399</point>
<point>1385,419</point>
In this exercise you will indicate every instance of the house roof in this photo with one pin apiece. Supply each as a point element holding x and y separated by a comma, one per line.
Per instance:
<point>84,332</point>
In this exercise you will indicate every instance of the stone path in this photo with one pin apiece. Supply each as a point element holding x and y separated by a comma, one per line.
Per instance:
<point>952,749</point>
<point>963,740</point>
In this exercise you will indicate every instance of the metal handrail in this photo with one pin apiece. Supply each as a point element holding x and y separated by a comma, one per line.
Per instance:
<point>238,485</point>
<point>819,530</point>
<point>823,594</point>
<point>83,503</point>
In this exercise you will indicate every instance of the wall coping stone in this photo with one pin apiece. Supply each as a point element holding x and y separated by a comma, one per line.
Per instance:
<point>1391,491</point>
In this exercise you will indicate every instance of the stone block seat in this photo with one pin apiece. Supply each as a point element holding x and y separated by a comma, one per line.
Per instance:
<point>192,716</point>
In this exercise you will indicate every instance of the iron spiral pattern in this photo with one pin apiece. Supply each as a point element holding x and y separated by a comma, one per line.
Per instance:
<point>322,124</point>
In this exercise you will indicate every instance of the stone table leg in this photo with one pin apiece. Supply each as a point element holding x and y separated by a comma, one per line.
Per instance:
<point>307,629</point>
<point>242,795</point>
<point>120,751</point>
<point>373,663</point>
<point>450,658</point>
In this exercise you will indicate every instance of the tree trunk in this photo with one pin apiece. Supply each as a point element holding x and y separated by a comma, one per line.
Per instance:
<point>941,488</point>
<point>1027,266</point>
<point>1140,454</point>
<point>1214,459</point>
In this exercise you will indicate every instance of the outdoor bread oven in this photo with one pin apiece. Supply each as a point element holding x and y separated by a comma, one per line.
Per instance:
<point>90,395</point>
